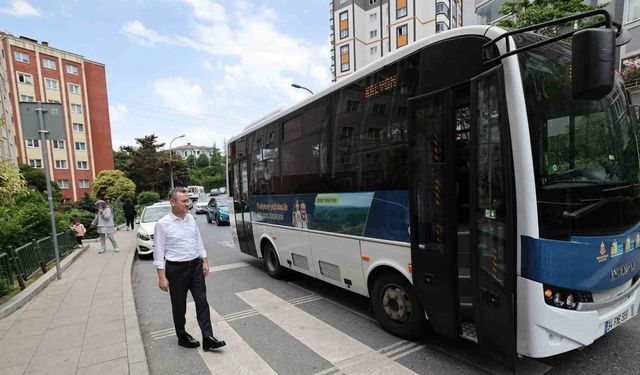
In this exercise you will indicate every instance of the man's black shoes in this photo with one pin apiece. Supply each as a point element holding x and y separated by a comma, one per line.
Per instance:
<point>187,341</point>
<point>211,343</point>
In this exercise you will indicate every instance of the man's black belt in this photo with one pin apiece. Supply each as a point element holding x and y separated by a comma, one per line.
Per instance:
<point>185,263</point>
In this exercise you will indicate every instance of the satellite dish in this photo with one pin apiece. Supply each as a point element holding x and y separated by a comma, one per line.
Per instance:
<point>624,38</point>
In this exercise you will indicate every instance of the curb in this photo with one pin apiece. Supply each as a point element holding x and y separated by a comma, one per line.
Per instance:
<point>135,349</point>
<point>34,289</point>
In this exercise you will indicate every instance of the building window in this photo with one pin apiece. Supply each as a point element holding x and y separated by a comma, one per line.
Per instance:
<point>401,36</point>
<point>63,184</point>
<point>22,57</point>
<point>344,25</point>
<point>72,69</point>
<point>342,1</point>
<point>49,64</point>
<point>78,127</point>
<point>401,8</point>
<point>81,146</point>
<point>84,184</point>
<point>440,27</point>
<point>76,108</point>
<point>442,8</point>
<point>371,2</point>
<point>61,164</point>
<point>51,84</point>
<point>27,98</point>
<point>633,10</point>
<point>82,164</point>
<point>373,51</point>
<point>352,106</point>
<point>373,17</point>
<point>378,109</point>
<point>373,34</point>
<point>25,78</point>
<point>74,89</point>
<point>52,101</point>
<point>35,163</point>
<point>57,144</point>
<point>33,143</point>
<point>344,58</point>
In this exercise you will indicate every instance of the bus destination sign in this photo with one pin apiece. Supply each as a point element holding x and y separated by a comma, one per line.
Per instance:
<point>386,84</point>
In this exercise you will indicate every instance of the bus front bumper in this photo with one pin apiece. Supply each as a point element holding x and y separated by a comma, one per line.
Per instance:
<point>545,330</point>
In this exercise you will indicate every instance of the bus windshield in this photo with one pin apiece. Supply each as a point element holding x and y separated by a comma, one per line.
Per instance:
<point>585,153</point>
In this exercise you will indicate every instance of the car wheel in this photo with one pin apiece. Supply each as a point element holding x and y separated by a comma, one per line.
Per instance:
<point>397,307</point>
<point>218,220</point>
<point>208,218</point>
<point>271,262</point>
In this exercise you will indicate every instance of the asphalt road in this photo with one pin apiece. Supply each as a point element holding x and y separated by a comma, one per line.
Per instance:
<point>319,324</point>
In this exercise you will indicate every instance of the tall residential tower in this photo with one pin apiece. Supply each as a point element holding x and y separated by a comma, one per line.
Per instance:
<point>365,30</point>
<point>38,72</point>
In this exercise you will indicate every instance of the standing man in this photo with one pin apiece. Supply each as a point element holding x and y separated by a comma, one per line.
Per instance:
<point>181,261</point>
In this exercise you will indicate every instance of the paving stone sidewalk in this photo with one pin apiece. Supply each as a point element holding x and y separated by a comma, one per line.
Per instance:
<point>84,323</point>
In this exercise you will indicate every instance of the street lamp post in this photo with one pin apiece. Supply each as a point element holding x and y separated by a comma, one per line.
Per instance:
<point>170,157</point>
<point>301,87</point>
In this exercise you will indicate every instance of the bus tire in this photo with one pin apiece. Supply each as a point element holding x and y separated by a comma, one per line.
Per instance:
<point>271,262</point>
<point>397,307</point>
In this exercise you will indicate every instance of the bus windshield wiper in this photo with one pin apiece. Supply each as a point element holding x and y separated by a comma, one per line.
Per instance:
<point>594,206</point>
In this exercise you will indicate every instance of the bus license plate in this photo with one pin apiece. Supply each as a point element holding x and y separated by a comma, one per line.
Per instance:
<point>616,321</point>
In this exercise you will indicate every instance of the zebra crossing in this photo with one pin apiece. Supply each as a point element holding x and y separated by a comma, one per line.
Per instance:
<point>327,342</point>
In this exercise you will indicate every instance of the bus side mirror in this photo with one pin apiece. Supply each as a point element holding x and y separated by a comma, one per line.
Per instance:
<point>593,63</point>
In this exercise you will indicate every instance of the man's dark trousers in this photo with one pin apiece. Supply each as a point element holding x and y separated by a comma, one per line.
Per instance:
<point>183,277</point>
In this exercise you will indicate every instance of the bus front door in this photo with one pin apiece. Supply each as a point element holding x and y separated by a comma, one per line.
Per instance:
<point>432,188</point>
<point>242,209</point>
<point>492,219</point>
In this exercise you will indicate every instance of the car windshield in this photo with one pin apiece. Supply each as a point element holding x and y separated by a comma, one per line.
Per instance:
<point>154,213</point>
<point>585,153</point>
<point>222,203</point>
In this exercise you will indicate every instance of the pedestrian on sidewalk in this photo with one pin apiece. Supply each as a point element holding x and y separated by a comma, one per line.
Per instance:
<point>182,264</point>
<point>78,230</point>
<point>129,213</point>
<point>106,227</point>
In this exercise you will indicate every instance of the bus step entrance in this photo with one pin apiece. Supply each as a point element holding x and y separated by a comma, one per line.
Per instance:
<point>469,332</point>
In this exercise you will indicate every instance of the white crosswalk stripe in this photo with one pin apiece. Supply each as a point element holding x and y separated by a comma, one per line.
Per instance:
<point>323,339</point>
<point>235,358</point>
<point>229,266</point>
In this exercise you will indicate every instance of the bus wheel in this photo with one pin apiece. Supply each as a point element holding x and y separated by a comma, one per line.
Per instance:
<point>271,262</point>
<point>396,305</point>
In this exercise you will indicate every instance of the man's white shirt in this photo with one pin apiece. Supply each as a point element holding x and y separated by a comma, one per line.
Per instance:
<point>177,240</point>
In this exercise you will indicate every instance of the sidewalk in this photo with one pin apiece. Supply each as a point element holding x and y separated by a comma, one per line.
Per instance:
<point>85,323</point>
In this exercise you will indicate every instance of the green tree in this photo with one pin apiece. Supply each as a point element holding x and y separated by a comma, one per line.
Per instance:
<point>123,159</point>
<point>111,185</point>
<point>36,180</point>
<point>87,203</point>
<point>218,161</point>
<point>529,13</point>
<point>145,163</point>
<point>191,161</point>
<point>202,161</point>
<point>11,181</point>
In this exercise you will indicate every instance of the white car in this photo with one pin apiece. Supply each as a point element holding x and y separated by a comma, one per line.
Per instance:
<point>148,219</point>
<point>201,207</point>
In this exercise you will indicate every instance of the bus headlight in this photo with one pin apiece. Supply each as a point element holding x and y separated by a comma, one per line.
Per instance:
<point>557,299</point>
<point>565,298</point>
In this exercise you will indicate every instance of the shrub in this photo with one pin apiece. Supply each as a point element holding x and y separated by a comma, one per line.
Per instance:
<point>148,197</point>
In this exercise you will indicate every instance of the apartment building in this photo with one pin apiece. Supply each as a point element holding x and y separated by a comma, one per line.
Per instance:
<point>39,72</point>
<point>365,30</point>
<point>189,149</point>
<point>8,150</point>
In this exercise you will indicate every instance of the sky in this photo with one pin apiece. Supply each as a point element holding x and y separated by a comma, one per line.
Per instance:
<point>202,68</point>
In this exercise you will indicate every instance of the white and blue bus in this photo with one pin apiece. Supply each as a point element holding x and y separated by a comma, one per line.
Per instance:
<point>482,179</point>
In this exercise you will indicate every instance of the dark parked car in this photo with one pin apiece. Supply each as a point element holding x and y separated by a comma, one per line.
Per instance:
<point>218,210</point>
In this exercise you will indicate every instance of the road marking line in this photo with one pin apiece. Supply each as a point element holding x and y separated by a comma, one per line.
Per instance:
<point>162,331</point>
<point>337,304</point>
<point>320,337</point>
<point>235,358</point>
<point>398,356</point>
<point>382,350</point>
<point>229,244</point>
<point>229,266</point>
<point>172,334</point>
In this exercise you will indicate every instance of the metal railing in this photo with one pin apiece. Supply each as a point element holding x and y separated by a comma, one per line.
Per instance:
<point>25,262</point>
